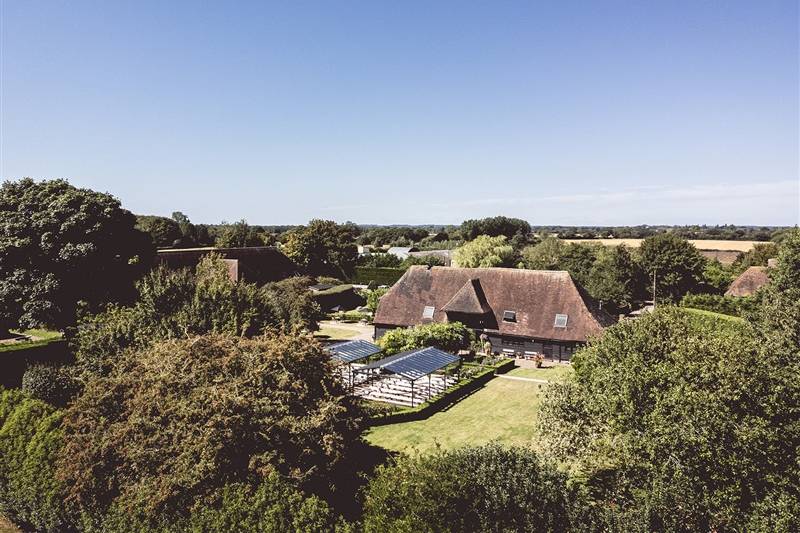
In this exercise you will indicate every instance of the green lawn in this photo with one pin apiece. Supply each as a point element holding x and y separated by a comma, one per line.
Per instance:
<point>504,410</point>
<point>550,372</point>
<point>334,333</point>
<point>41,334</point>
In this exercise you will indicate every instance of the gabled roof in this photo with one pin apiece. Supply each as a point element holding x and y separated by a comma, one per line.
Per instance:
<point>469,299</point>
<point>536,296</point>
<point>749,281</point>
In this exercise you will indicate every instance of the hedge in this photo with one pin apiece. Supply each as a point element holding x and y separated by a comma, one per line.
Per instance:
<point>450,397</point>
<point>15,358</point>
<point>343,296</point>
<point>380,275</point>
<point>727,305</point>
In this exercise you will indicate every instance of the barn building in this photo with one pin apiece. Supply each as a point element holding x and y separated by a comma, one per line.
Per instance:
<point>534,311</point>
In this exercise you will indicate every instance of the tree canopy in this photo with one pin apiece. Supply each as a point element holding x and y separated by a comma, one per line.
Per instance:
<point>678,423</point>
<point>323,248</point>
<point>675,263</point>
<point>494,227</point>
<point>488,488</point>
<point>60,245</point>
<point>449,336</point>
<point>178,419</point>
<point>484,252</point>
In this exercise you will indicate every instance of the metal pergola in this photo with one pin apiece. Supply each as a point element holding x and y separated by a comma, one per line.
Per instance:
<point>414,364</point>
<point>349,352</point>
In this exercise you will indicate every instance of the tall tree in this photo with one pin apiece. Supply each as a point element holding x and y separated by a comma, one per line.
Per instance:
<point>164,231</point>
<point>60,245</point>
<point>239,235</point>
<point>495,227</point>
<point>323,248</point>
<point>485,251</point>
<point>615,279</point>
<point>675,264</point>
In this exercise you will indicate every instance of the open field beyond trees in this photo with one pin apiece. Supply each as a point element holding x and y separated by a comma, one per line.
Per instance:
<point>504,411</point>
<point>736,246</point>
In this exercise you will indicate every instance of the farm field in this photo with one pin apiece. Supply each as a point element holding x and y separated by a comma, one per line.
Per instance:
<point>734,246</point>
<point>504,410</point>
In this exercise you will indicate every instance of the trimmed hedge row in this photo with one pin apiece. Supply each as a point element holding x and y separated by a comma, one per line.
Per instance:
<point>727,305</point>
<point>380,275</point>
<point>450,397</point>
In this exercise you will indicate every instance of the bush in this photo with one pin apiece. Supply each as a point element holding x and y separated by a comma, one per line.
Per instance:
<point>677,424</point>
<point>727,305</point>
<point>30,438</point>
<point>274,506</point>
<point>450,337</point>
<point>54,384</point>
<point>343,296</point>
<point>381,276</point>
<point>488,488</point>
<point>175,421</point>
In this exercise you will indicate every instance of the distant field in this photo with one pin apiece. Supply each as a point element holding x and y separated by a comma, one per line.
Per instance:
<point>504,410</point>
<point>736,246</point>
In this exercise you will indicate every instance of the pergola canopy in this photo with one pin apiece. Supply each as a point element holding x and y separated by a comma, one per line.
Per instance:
<point>414,364</point>
<point>351,351</point>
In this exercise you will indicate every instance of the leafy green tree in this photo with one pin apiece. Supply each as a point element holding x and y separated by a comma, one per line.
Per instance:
<point>488,488</point>
<point>176,421</point>
<point>176,303</point>
<point>238,235</point>
<point>615,279</point>
<point>716,277</point>
<point>676,423</point>
<point>485,251</point>
<point>674,262</point>
<point>546,255</point>
<point>59,246</point>
<point>323,248</point>
<point>373,297</point>
<point>54,384</point>
<point>759,255</point>
<point>449,336</point>
<point>380,261</point>
<point>165,232</point>
<point>495,227</point>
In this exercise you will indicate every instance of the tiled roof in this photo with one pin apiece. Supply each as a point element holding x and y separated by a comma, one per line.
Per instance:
<point>749,281</point>
<point>536,297</point>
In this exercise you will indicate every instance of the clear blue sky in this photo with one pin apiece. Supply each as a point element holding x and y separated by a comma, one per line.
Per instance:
<point>411,112</point>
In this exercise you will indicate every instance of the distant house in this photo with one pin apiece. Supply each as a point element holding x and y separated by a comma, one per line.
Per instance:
<point>258,264</point>
<point>401,252</point>
<point>533,311</point>
<point>749,281</point>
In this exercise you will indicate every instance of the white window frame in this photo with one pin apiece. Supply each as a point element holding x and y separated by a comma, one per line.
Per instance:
<point>566,320</point>
<point>427,313</point>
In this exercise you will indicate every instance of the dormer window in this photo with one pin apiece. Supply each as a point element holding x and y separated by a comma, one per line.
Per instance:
<point>561,321</point>
<point>428,311</point>
<point>509,316</point>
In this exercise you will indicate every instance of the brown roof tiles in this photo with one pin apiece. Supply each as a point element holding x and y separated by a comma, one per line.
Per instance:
<point>536,296</point>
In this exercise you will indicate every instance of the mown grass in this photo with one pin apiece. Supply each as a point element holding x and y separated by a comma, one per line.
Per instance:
<point>504,410</point>
<point>549,372</point>
<point>334,333</point>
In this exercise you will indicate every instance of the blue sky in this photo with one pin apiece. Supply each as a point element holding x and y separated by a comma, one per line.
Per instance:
<point>411,112</point>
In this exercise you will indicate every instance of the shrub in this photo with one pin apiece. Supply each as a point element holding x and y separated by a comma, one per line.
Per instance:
<point>488,488</point>
<point>727,305</point>
<point>30,437</point>
<point>54,384</point>
<point>381,276</point>
<point>273,506</point>
<point>175,421</point>
<point>450,336</point>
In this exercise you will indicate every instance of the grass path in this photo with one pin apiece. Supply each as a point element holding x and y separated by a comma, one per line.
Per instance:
<point>504,410</point>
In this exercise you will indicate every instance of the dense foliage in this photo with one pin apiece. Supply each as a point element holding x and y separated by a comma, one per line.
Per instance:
<point>323,248</point>
<point>30,437</point>
<point>727,305</point>
<point>177,303</point>
<point>678,423</point>
<point>449,336</point>
<point>54,384</point>
<point>484,252</point>
<point>494,227</point>
<point>758,256</point>
<point>164,231</point>
<point>240,235</point>
<point>675,264</point>
<point>175,421</point>
<point>487,488</point>
<point>59,246</point>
